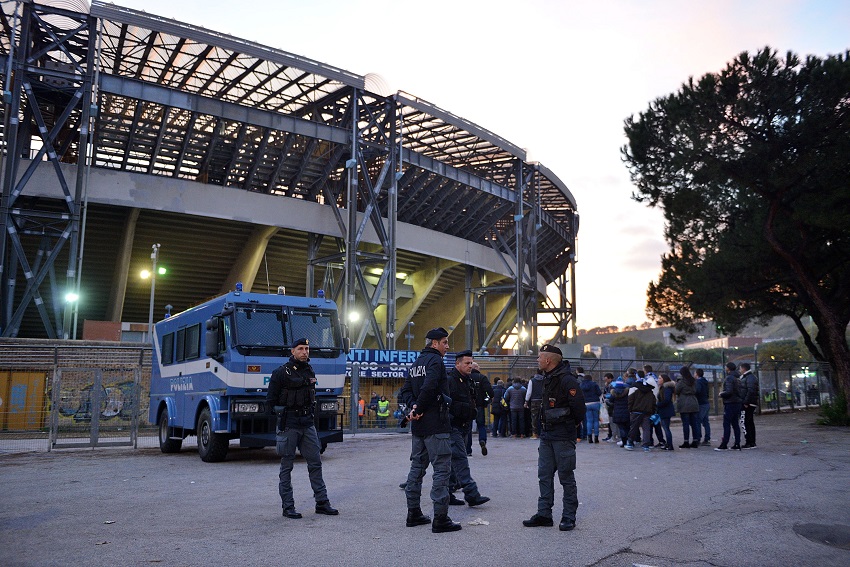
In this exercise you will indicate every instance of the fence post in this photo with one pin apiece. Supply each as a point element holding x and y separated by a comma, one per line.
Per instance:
<point>355,393</point>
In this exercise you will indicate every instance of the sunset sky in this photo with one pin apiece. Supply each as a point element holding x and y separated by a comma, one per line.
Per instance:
<point>557,77</point>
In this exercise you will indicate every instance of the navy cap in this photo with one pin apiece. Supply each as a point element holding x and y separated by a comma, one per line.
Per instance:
<point>300,342</point>
<point>551,348</point>
<point>463,353</point>
<point>437,334</point>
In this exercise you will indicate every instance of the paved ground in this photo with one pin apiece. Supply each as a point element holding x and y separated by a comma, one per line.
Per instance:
<point>689,507</point>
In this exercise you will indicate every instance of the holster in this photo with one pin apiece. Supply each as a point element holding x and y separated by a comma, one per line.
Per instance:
<point>280,412</point>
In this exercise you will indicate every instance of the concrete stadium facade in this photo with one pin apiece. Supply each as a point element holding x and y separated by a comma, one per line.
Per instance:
<point>245,163</point>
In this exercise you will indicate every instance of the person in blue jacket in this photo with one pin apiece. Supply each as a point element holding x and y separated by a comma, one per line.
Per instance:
<point>592,394</point>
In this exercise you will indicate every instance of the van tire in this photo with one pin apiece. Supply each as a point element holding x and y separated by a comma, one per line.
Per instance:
<point>212,447</point>
<point>166,444</point>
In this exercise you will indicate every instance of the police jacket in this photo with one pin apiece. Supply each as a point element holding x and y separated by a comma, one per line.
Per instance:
<point>483,389</point>
<point>291,386</point>
<point>750,388</point>
<point>560,390</point>
<point>731,393</point>
<point>463,398</point>
<point>427,386</point>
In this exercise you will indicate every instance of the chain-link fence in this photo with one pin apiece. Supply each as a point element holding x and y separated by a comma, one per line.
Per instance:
<point>58,394</point>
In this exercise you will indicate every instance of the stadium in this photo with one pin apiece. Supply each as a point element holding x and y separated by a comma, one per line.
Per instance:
<point>131,139</point>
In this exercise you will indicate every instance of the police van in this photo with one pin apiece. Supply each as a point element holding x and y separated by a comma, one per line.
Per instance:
<point>212,364</point>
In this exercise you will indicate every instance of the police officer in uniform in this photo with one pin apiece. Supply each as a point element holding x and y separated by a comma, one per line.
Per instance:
<point>425,391</point>
<point>292,395</point>
<point>561,413</point>
<point>462,393</point>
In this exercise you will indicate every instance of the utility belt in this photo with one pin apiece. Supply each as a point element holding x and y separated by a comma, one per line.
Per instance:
<point>300,412</point>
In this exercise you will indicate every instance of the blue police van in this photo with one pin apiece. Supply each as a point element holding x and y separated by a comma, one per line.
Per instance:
<point>212,363</point>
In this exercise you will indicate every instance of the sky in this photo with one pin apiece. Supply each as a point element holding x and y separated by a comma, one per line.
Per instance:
<point>557,77</point>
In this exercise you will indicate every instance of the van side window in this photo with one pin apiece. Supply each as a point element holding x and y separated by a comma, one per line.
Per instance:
<point>167,348</point>
<point>181,342</point>
<point>193,341</point>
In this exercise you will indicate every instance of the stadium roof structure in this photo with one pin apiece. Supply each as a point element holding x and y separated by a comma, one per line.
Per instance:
<point>122,129</point>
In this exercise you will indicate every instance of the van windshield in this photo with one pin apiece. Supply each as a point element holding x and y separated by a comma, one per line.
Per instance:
<point>259,327</point>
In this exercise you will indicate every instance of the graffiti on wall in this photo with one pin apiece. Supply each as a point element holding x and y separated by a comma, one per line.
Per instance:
<point>114,402</point>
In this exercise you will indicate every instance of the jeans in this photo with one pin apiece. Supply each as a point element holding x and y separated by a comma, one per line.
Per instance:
<point>665,426</point>
<point>703,421</point>
<point>481,424</point>
<point>460,463</point>
<point>518,422</point>
<point>731,420</point>
<point>557,456</point>
<point>434,449</point>
<point>500,423</point>
<point>689,424</point>
<point>591,419</point>
<point>307,442</point>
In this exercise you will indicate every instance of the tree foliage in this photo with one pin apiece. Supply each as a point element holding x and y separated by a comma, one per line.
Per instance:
<point>751,167</point>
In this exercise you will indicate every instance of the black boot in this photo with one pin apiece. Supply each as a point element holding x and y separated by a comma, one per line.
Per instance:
<point>442,523</point>
<point>454,500</point>
<point>596,438</point>
<point>324,507</point>
<point>415,517</point>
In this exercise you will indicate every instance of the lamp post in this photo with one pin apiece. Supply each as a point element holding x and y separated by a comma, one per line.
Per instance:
<point>410,325</point>
<point>154,258</point>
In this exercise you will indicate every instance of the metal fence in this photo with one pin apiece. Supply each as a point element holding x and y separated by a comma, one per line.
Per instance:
<point>73,394</point>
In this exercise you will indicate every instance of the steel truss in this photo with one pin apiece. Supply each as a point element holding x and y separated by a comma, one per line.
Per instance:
<point>177,101</point>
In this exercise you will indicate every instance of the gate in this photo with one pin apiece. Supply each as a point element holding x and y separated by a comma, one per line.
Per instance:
<point>94,407</point>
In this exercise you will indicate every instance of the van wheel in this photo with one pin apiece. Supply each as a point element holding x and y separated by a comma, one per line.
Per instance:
<point>166,444</point>
<point>212,447</point>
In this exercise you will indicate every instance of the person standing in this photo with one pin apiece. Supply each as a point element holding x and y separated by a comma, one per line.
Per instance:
<point>425,392</point>
<point>498,411</point>
<point>483,396</point>
<point>704,406</point>
<point>592,394</point>
<point>361,410</point>
<point>620,411</point>
<point>665,408</point>
<point>533,401</point>
<point>688,408</point>
<point>462,412</point>
<point>515,395</point>
<point>609,404</point>
<point>731,395</point>
<point>641,406</point>
<point>749,400</point>
<point>292,395</point>
<point>383,412</point>
<point>563,410</point>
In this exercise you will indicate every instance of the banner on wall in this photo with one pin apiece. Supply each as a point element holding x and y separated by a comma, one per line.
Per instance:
<point>376,363</point>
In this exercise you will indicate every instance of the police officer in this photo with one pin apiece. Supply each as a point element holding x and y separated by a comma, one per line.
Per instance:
<point>292,395</point>
<point>425,391</point>
<point>562,411</point>
<point>462,393</point>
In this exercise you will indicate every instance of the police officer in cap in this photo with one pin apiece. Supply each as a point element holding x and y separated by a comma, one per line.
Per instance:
<point>292,395</point>
<point>561,412</point>
<point>426,392</point>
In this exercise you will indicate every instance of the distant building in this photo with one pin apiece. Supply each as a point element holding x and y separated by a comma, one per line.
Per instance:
<point>725,342</point>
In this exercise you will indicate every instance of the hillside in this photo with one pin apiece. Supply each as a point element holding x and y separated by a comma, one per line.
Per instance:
<point>779,328</point>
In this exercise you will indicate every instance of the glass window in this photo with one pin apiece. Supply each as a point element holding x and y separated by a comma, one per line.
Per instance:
<point>167,348</point>
<point>193,341</point>
<point>181,341</point>
<point>319,327</point>
<point>259,326</point>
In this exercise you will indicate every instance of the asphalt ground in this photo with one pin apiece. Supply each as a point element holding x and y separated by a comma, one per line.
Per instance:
<point>118,506</point>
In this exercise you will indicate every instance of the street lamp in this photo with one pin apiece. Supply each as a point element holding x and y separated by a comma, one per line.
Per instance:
<point>410,325</point>
<point>152,274</point>
<point>71,299</point>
